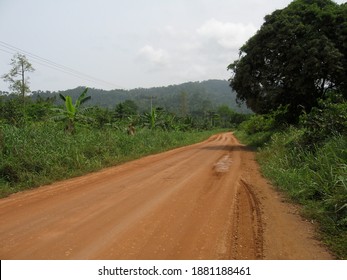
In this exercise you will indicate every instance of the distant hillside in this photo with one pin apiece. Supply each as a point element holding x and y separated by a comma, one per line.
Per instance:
<point>191,96</point>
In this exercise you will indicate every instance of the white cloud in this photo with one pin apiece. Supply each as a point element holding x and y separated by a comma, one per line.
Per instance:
<point>194,53</point>
<point>157,57</point>
<point>229,35</point>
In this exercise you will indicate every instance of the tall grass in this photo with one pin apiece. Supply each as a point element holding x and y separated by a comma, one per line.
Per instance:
<point>315,178</point>
<point>40,153</point>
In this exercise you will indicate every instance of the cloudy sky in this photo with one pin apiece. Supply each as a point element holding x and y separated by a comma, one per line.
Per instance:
<point>127,43</point>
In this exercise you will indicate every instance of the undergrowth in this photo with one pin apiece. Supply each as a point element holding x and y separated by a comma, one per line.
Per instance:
<point>316,178</point>
<point>308,162</point>
<point>40,153</point>
<point>313,175</point>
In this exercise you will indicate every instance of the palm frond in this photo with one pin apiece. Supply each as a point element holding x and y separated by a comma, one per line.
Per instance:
<point>82,98</point>
<point>62,97</point>
<point>70,108</point>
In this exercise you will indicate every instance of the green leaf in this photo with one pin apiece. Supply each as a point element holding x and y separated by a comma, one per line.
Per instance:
<point>70,108</point>
<point>82,98</point>
<point>62,97</point>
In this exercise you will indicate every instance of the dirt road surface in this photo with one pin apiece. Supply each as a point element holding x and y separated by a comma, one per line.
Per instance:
<point>204,201</point>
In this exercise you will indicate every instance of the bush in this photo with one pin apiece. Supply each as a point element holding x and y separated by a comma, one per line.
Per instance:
<point>327,120</point>
<point>266,122</point>
<point>257,123</point>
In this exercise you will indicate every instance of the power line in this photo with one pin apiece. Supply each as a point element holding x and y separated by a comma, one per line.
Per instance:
<point>6,51</point>
<point>54,65</point>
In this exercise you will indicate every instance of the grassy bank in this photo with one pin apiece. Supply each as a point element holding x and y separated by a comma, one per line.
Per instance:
<point>41,153</point>
<point>314,176</point>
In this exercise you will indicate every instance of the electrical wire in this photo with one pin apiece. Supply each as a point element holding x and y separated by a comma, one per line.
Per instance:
<point>53,65</point>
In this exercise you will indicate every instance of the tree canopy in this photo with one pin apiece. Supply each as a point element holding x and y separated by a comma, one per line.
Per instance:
<point>298,55</point>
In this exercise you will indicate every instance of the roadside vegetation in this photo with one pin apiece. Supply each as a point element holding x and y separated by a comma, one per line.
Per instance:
<point>292,73</point>
<point>41,143</point>
<point>308,162</point>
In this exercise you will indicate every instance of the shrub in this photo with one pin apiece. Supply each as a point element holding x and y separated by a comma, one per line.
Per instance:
<point>257,123</point>
<point>326,120</point>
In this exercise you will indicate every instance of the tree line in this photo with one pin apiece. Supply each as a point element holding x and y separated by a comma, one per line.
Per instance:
<point>194,105</point>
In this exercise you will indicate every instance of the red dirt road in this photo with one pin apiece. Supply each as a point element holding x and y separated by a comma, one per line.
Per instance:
<point>205,201</point>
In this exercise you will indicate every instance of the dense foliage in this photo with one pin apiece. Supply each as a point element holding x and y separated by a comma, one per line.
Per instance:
<point>188,98</point>
<point>296,58</point>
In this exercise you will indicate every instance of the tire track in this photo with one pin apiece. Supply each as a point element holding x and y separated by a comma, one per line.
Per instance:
<point>248,225</point>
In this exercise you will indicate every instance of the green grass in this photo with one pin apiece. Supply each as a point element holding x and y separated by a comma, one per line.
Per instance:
<point>41,153</point>
<point>312,175</point>
<point>315,177</point>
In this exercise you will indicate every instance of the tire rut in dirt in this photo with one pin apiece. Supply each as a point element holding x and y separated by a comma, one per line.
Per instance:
<point>247,230</point>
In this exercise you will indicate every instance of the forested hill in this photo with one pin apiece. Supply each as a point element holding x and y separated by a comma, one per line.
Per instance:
<point>191,96</point>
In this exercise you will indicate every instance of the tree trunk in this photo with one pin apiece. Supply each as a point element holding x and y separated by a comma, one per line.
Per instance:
<point>70,127</point>
<point>23,81</point>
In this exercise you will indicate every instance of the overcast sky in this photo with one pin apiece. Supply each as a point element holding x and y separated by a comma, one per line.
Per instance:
<point>127,43</point>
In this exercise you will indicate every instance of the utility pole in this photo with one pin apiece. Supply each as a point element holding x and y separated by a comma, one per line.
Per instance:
<point>151,98</point>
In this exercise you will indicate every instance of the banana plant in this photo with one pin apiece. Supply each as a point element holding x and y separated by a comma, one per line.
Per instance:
<point>72,111</point>
<point>150,119</point>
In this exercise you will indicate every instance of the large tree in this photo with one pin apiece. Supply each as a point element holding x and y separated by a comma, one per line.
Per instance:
<point>297,56</point>
<point>19,82</point>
